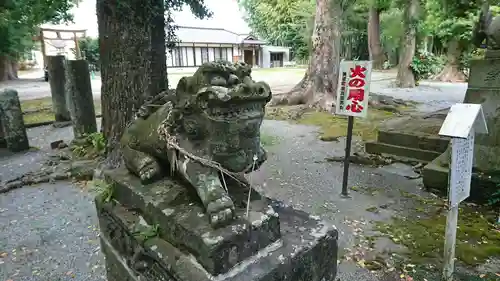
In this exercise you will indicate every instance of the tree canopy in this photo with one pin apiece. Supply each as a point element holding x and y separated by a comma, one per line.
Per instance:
<point>20,19</point>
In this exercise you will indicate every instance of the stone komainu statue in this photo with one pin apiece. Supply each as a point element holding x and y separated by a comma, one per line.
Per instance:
<point>207,130</point>
<point>487,27</point>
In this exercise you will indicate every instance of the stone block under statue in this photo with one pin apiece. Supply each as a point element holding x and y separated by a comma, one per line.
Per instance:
<point>159,231</point>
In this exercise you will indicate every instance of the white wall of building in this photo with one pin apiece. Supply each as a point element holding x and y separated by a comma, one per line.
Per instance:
<point>193,60</point>
<point>266,54</point>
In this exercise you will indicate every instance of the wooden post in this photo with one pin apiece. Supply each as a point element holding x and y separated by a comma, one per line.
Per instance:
<point>42,46</point>
<point>57,79</point>
<point>78,54</point>
<point>449,243</point>
<point>12,121</point>
<point>253,56</point>
<point>80,99</point>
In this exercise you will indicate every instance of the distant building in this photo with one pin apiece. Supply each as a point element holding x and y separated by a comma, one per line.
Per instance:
<point>198,45</point>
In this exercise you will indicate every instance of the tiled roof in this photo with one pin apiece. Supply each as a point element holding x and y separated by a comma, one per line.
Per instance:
<point>188,34</point>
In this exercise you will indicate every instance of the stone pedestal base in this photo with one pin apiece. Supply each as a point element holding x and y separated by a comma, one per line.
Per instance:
<point>159,232</point>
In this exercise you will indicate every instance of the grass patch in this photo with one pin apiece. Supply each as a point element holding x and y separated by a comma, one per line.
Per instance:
<point>36,104</point>
<point>477,237</point>
<point>331,126</point>
<point>268,140</point>
<point>40,110</point>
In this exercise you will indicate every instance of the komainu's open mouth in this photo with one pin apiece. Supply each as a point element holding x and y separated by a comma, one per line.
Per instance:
<point>232,111</point>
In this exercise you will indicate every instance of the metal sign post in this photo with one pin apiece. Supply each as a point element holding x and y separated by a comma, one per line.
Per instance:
<point>352,100</point>
<point>461,124</point>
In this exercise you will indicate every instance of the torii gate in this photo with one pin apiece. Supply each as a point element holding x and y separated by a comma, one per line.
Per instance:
<point>77,34</point>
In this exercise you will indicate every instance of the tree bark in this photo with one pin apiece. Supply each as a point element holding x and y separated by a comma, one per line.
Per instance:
<point>319,84</point>
<point>159,78</point>
<point>125,44</point>
<point>374,45</point>
<point>405,77</point>
<point>8,68</point>
<point>451,71</point>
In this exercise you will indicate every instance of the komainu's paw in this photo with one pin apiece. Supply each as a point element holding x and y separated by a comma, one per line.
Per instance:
<point>150,170</point>
<point>221,210</point>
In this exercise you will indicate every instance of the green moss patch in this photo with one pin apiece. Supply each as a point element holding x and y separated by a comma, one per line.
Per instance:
<point>268,140</point>
<point>331,126</point>
<point>477,237</point>
<point>40,110</point>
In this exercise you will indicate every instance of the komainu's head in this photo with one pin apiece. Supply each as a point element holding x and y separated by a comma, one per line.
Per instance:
<point>223,107</point>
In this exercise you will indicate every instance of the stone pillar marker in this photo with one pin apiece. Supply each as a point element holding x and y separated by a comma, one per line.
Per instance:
<point>11,117</point>
<point>79,98</point>
<point>3,144</point>
<point>57,80</point>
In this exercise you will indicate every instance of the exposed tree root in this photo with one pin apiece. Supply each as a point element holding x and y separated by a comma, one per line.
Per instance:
<point>451,73</point>
<point>306,93</point>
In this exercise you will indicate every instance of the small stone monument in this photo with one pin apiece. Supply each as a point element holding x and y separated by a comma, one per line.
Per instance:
<point>182,210</point>
<point>57,78</point>
<point>3,143</point>
<point>79,98</point>
<point>12,122</point>
<point>484,89</point>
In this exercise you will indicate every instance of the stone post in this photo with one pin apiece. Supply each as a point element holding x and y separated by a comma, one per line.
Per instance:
<point>12,121</point>
<point>3,144</point>
<point>57,80</point>
<point>79,98</point>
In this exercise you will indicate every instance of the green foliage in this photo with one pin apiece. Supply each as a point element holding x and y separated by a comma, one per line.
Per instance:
<point>282,22</point>
<point>90,51</point>
<point>103,189</point>
<point>19,20</point>
<point>143,232</point>
<point>90,146</point>
<point>426,64</point>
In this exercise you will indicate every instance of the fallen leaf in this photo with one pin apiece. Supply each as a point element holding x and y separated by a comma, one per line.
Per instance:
<point>3,255</point>
<point>482,275</point>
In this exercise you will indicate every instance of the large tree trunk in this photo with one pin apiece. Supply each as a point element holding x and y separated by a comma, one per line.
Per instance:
<point>8,68</point>
<point>405,77</point>
<point>318,87</point>
<point>125,43</point>
<point>159,79</point>
<point>451,71</point>
<point>374,45</point>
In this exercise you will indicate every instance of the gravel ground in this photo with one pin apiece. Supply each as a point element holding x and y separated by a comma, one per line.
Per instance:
<point>49,233</point>
<point>297,173</point>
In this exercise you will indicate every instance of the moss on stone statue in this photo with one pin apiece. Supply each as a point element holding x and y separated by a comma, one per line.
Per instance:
<point>208,125</point>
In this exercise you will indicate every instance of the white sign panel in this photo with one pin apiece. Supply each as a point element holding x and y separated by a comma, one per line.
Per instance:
<point>462,151</point>
<point>461,119</point>
<point>353,88</point>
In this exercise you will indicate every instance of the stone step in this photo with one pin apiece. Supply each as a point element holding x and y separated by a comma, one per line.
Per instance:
<point>416,140</point>
<point>382,148</point>
<point>484,189</point>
